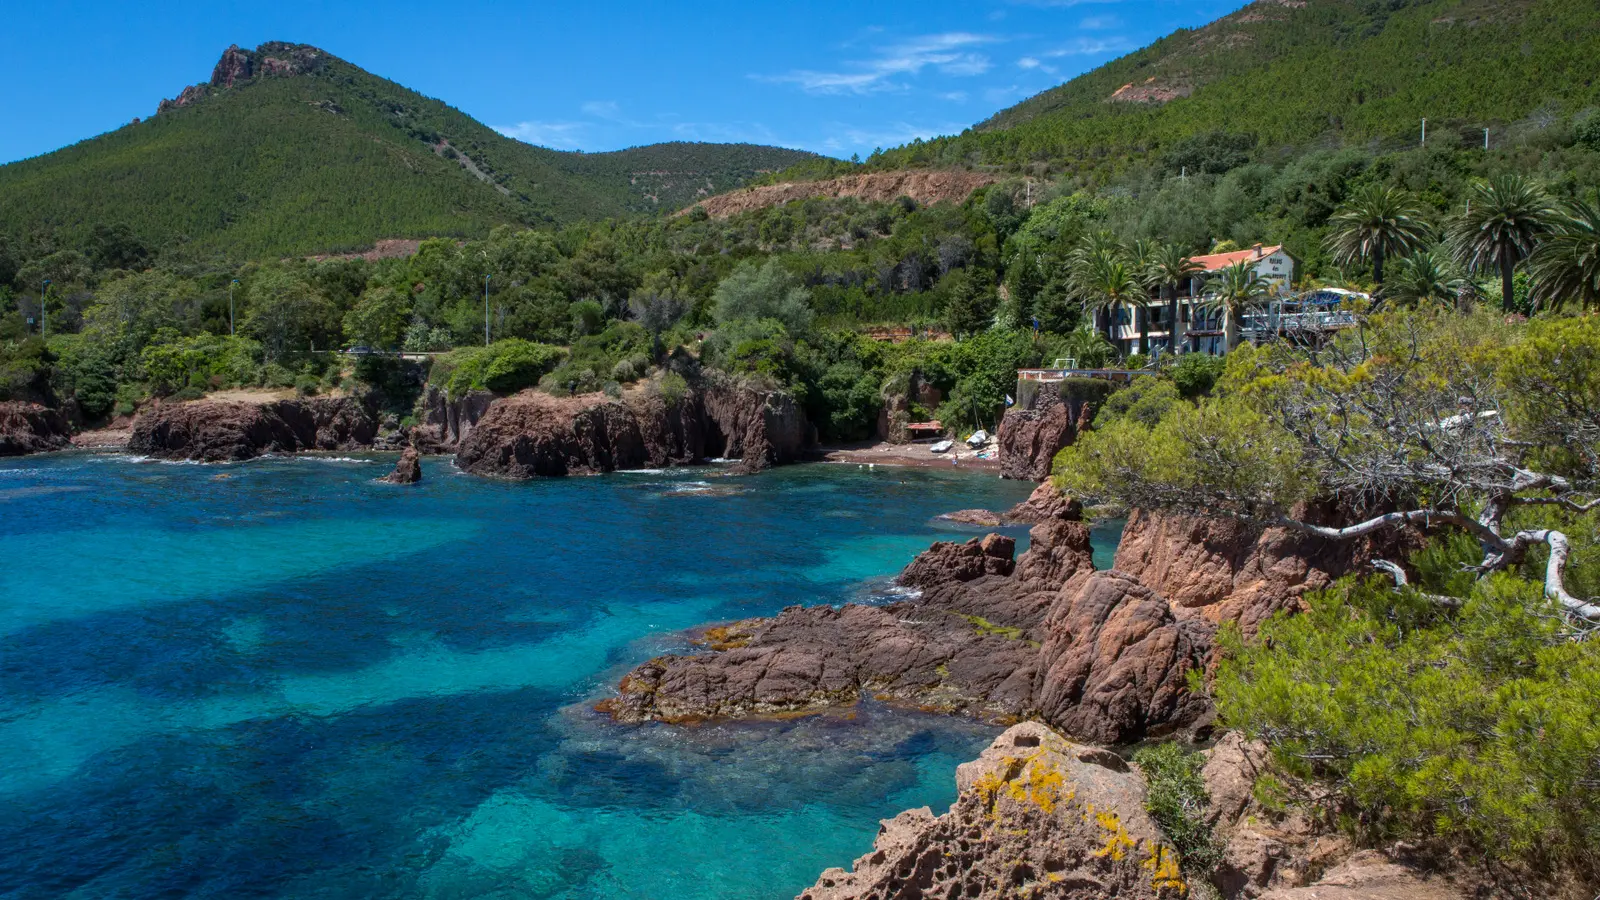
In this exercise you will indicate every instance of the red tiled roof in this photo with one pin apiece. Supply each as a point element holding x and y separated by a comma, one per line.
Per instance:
<point>1214,261</point>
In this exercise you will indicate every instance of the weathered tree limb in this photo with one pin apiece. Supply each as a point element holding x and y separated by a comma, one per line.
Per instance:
<point>1555,570</point>
<point>1400,581</point>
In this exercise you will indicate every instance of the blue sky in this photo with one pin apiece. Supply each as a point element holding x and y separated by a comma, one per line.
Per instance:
<point>836,78</point>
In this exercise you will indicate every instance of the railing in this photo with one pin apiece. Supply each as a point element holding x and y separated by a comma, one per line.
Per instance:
<point>1051,375</point>
<point>1329,320</point>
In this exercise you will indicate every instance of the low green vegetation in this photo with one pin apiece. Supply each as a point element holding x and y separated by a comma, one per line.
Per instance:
<point>1478,725</point>
<point>504,367</point>
<point>1176,798</point>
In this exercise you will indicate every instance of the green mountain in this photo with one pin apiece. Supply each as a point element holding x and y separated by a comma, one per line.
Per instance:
<point>289,150</point>
<point>1298,72</point>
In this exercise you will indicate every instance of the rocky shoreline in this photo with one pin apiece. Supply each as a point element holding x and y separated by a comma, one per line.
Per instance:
<point>524,435</point>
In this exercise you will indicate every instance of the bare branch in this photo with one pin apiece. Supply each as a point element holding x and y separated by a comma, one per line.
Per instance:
<point>1400,581</point>
<point>1555,570</point>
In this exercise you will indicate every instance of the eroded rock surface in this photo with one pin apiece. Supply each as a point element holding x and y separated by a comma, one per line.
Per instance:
<point>534,434</point>
<point>1045,503</point>
<point>1094,654</point>
<point>30,428</point>
<point>949,561</point>
<point>1223,570</point>
<point>1115,662</point>
<point>1037,816</point>
<point>408,470</point>
<point>1370,875</point>
<point>219,431</point>
<point>1030,438</point>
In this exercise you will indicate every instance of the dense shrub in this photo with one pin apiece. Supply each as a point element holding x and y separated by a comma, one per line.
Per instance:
<point>1176,798</point>
<point>1479,725</point>
<point>1196,374</point>
<point>504,367</point>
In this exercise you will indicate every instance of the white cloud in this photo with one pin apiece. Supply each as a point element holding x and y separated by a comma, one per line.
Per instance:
<point>851,137</point>
<point>555,135</point>
<point>1088,47</point>
<point>1099,23</point>
<point>950,53</point>
<point>1027,62</point>
<point>954,96</point>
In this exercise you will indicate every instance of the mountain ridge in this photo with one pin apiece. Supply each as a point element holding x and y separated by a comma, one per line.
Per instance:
<point>288,149</point>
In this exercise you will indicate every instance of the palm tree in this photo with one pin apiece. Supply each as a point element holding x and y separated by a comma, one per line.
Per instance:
<point>1235,290</point>
<point>1566,265</point>
<point>1171,266</point>
<point>1426,279</point>
<point>1141,257</point>
<point>1504,220</point>
<point>1089,267</point>
<point>1106,283</point>
<point>1375,224</point>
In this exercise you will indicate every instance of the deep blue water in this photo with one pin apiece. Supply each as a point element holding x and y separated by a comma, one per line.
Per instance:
<point>282,679</point>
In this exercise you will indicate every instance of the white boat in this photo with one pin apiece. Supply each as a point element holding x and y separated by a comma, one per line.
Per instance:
<point>942,446</point>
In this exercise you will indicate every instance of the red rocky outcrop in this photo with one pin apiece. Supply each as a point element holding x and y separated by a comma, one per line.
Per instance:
<point>1030,437</point>
<point>1036,816</point>
<point>535,434</point>
<point>217,431</point>
<point>408,470</point>
<point>30,428</point>
<point>1045,503</point>
<point>447,421</point>
<point>1115,662</point>
<point>949,561</point>
<point>1224,570</point>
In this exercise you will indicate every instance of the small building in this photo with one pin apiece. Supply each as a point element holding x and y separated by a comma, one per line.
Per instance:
<point>1198,327</point>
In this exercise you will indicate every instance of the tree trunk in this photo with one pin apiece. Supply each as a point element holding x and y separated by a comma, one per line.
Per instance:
<point>1507,288</point>
<point>1172,318</point>
<point>1142,313</point>
<point>1377,265</point>
<point>1230,329</point>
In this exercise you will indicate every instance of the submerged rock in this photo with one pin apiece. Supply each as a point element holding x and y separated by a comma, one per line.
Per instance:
<point>1037,816</point>
<point>220,431</point>
<point>408,470</point>
<point>30,428</point>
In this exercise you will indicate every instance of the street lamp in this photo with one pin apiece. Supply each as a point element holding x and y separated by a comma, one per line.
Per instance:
<point>44,317</point>
<point>230,306</point>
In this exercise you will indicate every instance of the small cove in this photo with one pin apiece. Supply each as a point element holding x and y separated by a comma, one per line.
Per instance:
<point>281,679</point>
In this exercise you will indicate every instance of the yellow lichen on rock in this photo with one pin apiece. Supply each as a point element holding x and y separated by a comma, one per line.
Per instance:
<point>1118,841</point>
<point>1165,875</point>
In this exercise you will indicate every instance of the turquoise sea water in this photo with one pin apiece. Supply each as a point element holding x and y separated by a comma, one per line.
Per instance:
<point>282,679</point>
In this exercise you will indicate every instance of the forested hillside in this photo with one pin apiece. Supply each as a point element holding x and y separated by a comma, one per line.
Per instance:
<point>291,150</point>
<point>1296,73</point>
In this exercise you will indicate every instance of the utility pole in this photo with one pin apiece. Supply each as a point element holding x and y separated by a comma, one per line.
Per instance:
<point>486,310</point>
<point>1424,132</point>
<point>231,286</point>
<point>44,314</point>
<point>1486,139</point>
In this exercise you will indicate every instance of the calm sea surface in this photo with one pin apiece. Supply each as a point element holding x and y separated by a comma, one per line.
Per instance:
<point>281,679</point>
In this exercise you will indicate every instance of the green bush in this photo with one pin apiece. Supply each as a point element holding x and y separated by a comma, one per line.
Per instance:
<point>1197,373</point>
<point>673,388</point>
<point>1480,726</point>
<point>504,367</point>
<point>1176,798</point>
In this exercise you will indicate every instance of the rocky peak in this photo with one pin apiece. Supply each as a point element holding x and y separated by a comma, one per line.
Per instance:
<point>234,66</point>
<point>239,66</point>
